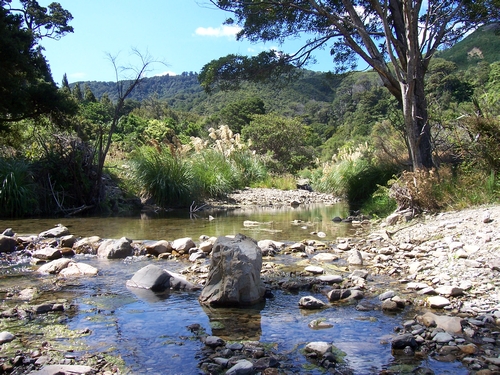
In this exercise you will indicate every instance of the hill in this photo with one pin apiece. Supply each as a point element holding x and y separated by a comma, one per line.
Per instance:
<point>482,45</point>
<point>184,93</point>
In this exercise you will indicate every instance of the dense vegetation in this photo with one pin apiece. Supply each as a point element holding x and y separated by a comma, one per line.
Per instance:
<point>173,144</point>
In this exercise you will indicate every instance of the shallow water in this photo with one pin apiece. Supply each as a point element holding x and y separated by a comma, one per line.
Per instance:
<point>150,331</point>
<point>276,224</point>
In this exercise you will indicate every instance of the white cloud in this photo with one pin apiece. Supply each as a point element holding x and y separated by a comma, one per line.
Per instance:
<point>221,31</point>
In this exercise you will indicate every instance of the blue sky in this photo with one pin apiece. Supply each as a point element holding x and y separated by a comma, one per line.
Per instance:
<point>183,34</point>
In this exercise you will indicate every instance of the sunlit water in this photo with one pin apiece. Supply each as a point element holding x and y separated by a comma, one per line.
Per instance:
<point>149,331</point>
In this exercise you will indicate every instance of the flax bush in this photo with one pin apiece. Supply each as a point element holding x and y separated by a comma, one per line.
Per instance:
<point>17,188</point>
<point>162,176</point>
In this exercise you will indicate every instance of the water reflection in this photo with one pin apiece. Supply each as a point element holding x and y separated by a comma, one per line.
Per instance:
<point>286,224</point>
<point>236,324</point>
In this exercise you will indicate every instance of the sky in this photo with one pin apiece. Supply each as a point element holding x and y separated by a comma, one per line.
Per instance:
<point>182,35</point>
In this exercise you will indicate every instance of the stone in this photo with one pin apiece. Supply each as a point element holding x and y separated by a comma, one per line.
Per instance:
<point>8,232</point>
<point>6,337</point>
<point>448,290</point>
<point>310,302</point>
<point>355,258</point>
<point>8,244</point>
<point>437,302</point>
<point>242,367</point>
<point>468,348</point>
<point>64,369</point>
<point>330,279</point>
<point>78,269</point>
<point>325,257</point>
<point>443,338</point>
<point>183,245</point>
<point>48,253</point>
<point>234,273</point>
<point>389,305</point>
<point>158,280</point>
<point>344,246</point>
<point>58,231</point>
<point>67,241</point>
<point>115,249</point>
<point>159,247</point>
<point>55,266</point>
<point>402,341</point>
<point>392,219</point>
<point>206,246</point>
<point>314,270</point>
<point>87,245</point>
<point>318,347</point>
<point>319,324</point>
<point>27,294</point>
<point>386,295</point>
<point>214,341</point>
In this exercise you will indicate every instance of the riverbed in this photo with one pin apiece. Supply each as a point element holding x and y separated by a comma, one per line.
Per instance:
<point>150,332</point>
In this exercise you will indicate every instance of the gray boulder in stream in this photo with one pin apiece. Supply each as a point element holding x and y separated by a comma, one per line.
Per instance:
<point>234,274</point>
<point>158,280</point>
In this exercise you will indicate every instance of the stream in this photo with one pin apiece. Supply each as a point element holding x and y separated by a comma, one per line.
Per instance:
<point>150,331</point>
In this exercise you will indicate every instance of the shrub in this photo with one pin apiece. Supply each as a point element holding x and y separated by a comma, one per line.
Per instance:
<point>164,177</point>
<point>17,188</point>
<point>354,174</point>
<point>417,191</point>
<point>213,174</point>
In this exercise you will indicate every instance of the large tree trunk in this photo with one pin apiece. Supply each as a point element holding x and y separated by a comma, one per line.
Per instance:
<point>416,120</point>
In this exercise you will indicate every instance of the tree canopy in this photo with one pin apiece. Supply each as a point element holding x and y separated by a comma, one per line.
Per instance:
<point>397,38</point>
<point>26,85</point>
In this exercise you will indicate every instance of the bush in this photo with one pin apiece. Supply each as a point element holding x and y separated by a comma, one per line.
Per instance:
<point>355,175</point>
<point>417,191</point>
<point>214,175</point>
<point>164,177</point>
<point>17,188</point>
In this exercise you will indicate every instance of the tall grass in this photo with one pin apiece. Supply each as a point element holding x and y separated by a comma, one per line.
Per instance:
<point>162,176</point>
<point>177,180</point>
<point>17,188</point>
<point>354,175</point>
<point>213,174</point>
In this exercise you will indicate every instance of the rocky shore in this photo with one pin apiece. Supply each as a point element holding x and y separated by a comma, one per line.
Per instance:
<point>444,266</point>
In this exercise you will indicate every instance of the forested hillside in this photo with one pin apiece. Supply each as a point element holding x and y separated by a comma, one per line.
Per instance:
<point>166,140</point>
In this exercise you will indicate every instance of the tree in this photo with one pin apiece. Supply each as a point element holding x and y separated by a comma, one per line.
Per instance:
<point>285,139</point>
<point>27,89</point>
<point>124,88</point>
<point>239,114</point>
<point>397,38</point>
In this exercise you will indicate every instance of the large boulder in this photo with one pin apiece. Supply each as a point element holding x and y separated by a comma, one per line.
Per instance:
<point>115,249</point>
<point>156,279</point>
<point>234,274</point>
<point>7,244</point>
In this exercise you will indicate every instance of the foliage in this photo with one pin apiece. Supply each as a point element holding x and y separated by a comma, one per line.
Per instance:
<point>283,138</point>
<point>204,169</point>
<point>411,35</point>
<point>281,182</point>
<point>239,114</point>
<point>162,176</point>
<point>17,188</point>
<point>354,174</point>
<point>26,86</point>
<point>417,191</point>
<point>380,204</point>
<point>477,47</point>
